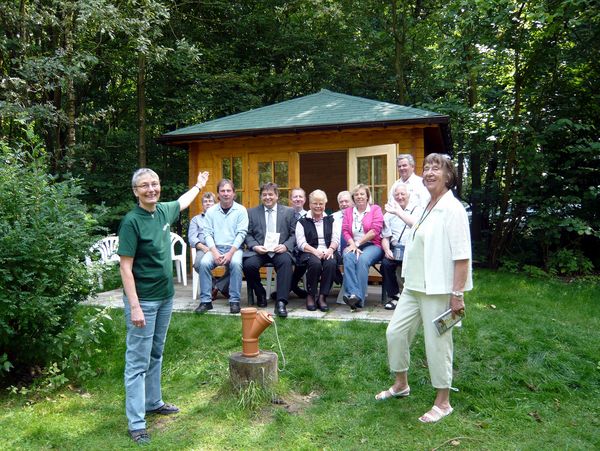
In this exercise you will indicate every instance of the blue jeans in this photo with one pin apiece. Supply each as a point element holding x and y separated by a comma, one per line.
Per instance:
<point>235,269</point>
<point>143,360</point>
<point>356,271</point>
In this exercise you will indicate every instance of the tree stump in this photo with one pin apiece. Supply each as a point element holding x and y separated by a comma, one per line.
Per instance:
<point>261,369</point>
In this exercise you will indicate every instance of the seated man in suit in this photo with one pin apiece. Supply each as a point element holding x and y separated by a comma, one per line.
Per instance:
<point>276,219</point>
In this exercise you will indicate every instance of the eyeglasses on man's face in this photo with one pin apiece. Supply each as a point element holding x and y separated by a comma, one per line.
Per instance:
<point>147,186</point>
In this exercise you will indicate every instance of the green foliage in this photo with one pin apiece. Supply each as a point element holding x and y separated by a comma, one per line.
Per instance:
<point>254,396</point>
<point>534,339</point>
<point>518,80</point>
<point>534,271</point>
<point>44,235</point>
<point>5,365</point>
<point>569,262</point>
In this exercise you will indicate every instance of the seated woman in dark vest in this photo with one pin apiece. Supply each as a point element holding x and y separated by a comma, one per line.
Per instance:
<point>318,240</point>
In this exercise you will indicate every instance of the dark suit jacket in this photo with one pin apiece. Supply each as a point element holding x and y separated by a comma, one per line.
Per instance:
<point>257,228</point>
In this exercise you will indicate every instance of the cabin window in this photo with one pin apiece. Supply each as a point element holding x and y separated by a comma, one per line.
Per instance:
<point>231,168</point>
<point>372,172</point>
<point>276,172</point>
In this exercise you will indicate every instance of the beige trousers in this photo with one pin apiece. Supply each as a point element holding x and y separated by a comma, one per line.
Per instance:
<point>413,309</point>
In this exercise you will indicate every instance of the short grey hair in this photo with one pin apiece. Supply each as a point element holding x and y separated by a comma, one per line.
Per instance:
<point>343,193</point>
<point>406,156</point>
<point>140,173</point>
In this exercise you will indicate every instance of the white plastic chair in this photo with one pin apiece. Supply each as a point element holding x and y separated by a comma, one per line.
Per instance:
<point>107,248</point>
<point>195,276</point>
<point>179,259</point>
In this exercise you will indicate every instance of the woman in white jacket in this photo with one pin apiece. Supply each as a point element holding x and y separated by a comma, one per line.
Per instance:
<point>437,271</point>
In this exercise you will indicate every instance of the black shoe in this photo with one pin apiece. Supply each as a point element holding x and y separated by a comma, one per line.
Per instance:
<point>261,302</point>
<point>300,292</point>
<point>273,296</point>
<point>234,307</point>
<point>165,409</point>
<point>140,436</point>
<point>310,303</point>
<point>204,307</point>
<point>280,309</point>
<point>351,301</point>
<point>322,303</point>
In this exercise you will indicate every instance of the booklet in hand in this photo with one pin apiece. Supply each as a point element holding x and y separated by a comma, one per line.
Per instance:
<point>271,241</point>
<point>445,322</point>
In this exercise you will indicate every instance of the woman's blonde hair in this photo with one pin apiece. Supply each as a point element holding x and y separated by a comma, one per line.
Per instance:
<point>317,195</point>
<point>361,186</point>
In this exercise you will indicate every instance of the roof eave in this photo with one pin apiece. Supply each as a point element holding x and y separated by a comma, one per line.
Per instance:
<point>166,139</point>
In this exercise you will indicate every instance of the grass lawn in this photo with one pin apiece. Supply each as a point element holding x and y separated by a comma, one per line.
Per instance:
<point>527,366</point>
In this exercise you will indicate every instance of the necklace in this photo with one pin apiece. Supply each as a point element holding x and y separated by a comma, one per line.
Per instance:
<point>151,213</point>
<point>424,215</point>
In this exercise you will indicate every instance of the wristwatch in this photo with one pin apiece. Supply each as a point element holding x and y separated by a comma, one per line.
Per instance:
<point>458,294</point>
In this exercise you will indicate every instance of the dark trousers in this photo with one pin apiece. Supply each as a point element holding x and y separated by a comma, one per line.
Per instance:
<point>283,267</point>
<point>318,270</point>
<point>299,271</point>
<point>390,281</point>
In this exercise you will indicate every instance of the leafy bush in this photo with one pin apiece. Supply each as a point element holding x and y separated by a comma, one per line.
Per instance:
<point>44,235</point>
<point>569,262</point>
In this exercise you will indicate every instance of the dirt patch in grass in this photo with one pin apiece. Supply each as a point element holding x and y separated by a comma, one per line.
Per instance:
<point>296,403</point>
<point>292,403</point>
<point>160,422</point>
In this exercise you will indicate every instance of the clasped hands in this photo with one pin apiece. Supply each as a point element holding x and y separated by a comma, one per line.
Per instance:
<point>354,249</point>
<point>279,249</point>
<point>323,255</point>
<point>221,259</point>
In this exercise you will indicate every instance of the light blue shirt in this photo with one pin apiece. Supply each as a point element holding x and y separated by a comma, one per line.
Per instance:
<point>196,230</point>
<point>226,229</point>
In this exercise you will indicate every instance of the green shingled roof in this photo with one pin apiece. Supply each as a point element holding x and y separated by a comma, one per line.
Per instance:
<point>325,109</point>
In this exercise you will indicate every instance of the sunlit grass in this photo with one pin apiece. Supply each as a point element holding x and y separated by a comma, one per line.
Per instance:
<point>527,368</point>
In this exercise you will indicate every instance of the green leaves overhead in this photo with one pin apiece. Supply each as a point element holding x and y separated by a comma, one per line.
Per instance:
<point>519,80</point>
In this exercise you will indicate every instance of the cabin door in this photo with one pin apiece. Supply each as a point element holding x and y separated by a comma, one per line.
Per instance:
<point>276,167</point>
<point>375,166</point>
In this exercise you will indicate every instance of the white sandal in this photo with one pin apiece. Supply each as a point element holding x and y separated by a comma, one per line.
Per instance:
<point>391,304</point>
<point>390,393</point>
<point>435,414</point>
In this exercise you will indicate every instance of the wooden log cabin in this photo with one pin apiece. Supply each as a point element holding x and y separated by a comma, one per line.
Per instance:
<point>325,140</point>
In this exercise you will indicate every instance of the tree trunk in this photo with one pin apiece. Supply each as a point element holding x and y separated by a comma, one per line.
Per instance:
<point>475,155</point>
<point>141,117</point>
<point>507,221</point>
<point>399,43</point>
<point>70,106</point>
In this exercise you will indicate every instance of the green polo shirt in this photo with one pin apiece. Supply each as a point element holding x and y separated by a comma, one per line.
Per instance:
<point>146,237</point>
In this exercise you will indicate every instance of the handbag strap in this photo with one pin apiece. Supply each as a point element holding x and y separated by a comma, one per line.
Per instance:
<point>405,224</point>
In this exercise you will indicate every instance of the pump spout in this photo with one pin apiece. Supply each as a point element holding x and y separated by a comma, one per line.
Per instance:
<point>254,322</point>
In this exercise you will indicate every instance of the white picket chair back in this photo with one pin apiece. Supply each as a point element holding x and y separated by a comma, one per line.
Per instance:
<point>179,258</point>
<point>107,248</point>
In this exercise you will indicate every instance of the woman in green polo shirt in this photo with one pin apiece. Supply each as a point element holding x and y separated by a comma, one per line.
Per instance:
<point>147,274</point>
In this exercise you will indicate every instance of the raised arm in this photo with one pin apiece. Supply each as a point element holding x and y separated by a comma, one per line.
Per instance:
<point>188,197</point>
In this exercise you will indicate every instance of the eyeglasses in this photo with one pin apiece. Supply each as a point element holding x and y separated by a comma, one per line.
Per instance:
<point>147,186</point>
